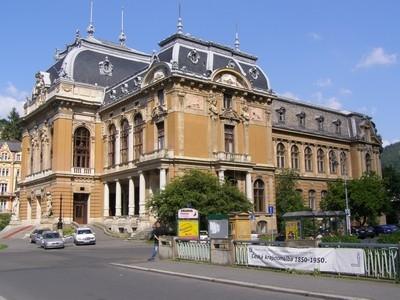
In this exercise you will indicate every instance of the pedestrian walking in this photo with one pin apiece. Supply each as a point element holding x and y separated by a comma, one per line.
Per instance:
<point>155,234</point>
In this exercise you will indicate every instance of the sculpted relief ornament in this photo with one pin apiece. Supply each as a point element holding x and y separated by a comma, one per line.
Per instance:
<point>245,113</point>
<point>15,208</point>
<point>49,205</point>
<point>158,112</point>
<point>212,106</point>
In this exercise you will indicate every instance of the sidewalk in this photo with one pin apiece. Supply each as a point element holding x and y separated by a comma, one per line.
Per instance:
<point>328,287</point>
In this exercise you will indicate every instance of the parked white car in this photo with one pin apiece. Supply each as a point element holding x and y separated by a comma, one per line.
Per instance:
<point>84,235</point>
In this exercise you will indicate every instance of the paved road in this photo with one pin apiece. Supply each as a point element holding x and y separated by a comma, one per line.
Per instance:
<point>84,272</point>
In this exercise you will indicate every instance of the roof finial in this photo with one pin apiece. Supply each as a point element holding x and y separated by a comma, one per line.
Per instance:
<point>179,26</point>
<point>90,28</point>
<point>237,42</point>
<point>122,35</point>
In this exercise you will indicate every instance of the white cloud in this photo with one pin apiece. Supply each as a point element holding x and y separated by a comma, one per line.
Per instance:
<point>377,57</point>
<point>331,102</point>
<point>11,97</point>
<point>334,103</point>
<point>324,82</point>
<point>370,111</point>
<point>290,95</point>
<point>389,142</point>
<point>345,92</point>
<point>315,36</point>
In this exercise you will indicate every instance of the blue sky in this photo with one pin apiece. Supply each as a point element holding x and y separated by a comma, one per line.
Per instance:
<point>342,54</point>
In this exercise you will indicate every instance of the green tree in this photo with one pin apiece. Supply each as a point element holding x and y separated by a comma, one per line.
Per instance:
<point>368,198</point>
<point>391,179</point>
<point>12,129</point>
<point>199,190</point>
<point>335,198</point>
<point>287,198</point>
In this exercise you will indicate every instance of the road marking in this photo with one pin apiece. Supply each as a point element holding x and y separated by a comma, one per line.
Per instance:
<point>243,284</point>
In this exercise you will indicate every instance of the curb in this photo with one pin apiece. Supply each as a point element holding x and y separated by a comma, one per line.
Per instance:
<point>243,284</point>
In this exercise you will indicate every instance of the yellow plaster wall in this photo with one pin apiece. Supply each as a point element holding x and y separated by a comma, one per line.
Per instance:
<point>196,136</point>
<point>62,145</point>
<point>258,144</point>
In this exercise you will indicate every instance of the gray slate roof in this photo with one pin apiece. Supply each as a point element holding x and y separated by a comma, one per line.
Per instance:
<point>14,146</point>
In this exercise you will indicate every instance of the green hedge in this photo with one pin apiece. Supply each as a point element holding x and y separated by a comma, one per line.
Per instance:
<point>393,238</point>
<point>340,239</point>
<point>4,220</point>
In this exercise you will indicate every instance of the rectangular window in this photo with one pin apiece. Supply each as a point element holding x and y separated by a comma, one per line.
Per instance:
<point>18,158</point>
<point>160,135</point>
<point>229,138</point>
<point>3,188</point>
<point>160,96</point>
<point>227,101</point>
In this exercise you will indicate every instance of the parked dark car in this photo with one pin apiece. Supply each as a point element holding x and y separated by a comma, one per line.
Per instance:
<point>393,227</point>
<point>383,229</point>
<point>366,232</point>
<point>37,234</point>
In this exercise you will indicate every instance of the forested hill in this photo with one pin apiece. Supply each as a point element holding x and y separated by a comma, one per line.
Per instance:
<point>391,156</point>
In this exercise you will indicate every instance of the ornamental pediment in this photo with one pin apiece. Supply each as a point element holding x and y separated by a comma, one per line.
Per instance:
<point>230,114</point>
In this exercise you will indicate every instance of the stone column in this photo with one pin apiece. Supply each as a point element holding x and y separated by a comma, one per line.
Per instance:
<point>131,204</point>
<point>221,176</point>
<point>142,194</point>
<point>106,200</point>
<point>163,178</point>
<point>249,188</point>
<point>118,148</point>
<point>118,198</point>
<point>130,144</point>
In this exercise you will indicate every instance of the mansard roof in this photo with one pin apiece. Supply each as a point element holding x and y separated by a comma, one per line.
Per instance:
<point>97,62</point>
<point>193,57</point>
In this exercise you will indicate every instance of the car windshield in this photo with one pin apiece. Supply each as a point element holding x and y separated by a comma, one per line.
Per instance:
<point>52,235</point>
<point>84,231</point>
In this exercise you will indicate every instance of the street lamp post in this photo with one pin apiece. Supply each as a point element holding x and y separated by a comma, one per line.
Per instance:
<point>60,222</point>
<point>347,210</point>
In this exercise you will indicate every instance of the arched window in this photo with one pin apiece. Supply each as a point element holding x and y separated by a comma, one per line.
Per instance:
<point>308,159</point>
<point>82,148</point>
<point>138,136</point>
<point>280,155</point>
<point>311,199</point>
<point>295,157</point>
<point>258,193</point>
<point>320,160</point>
<point>112,131</point>
<point>343,163</point>
<point>368,163</point>
<point>124,141</point>
<point>332,162</point>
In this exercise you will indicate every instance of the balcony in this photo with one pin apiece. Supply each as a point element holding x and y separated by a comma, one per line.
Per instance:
<point>157,154</point>
<point>235,157</point>
<point>82,171</point>
<point>38,175</point>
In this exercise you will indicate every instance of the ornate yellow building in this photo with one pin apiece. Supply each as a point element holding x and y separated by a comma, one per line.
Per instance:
<point>108,126</point>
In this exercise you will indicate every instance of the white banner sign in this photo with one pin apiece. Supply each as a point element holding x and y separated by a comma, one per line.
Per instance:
<point>188,213</point>
<point>336,260</point>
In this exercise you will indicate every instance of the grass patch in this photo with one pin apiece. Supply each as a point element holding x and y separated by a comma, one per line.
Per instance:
<point>392,238</point>
<point>2,247</point>
<point>68,230</point>
<point>340,239</point>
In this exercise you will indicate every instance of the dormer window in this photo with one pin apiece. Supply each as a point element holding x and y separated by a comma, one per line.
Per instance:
<point>281,114</point>
<point>320,123</point>
<point>227,101</point>
<point>338,126</point>
<point>302,119</point>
